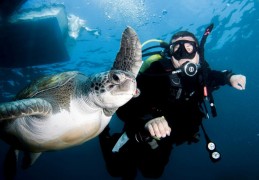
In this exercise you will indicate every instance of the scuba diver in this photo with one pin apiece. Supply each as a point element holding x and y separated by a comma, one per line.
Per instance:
<point>175,88</point>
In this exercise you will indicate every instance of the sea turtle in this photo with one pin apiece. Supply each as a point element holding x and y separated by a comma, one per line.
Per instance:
<point>67,109</point>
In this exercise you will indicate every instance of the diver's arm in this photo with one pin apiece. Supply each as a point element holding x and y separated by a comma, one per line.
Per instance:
<point>221,78</point>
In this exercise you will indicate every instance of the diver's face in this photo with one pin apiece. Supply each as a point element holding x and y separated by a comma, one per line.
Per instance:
<point>184,49</point>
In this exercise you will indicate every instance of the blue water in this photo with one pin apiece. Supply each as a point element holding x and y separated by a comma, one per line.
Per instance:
<point>233,45</point>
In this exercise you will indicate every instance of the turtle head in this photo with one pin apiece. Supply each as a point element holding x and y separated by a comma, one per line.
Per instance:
<point>112,89</point>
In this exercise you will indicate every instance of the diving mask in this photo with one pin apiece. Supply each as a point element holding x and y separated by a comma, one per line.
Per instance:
<point>183,49</point>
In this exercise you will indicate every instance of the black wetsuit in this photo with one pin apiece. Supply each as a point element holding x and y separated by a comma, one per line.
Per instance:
<point>176,97</point>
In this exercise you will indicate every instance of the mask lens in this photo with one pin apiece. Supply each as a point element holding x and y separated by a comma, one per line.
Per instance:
<point>188,47</point>
<point>174,48</point>
<point>183,49</point>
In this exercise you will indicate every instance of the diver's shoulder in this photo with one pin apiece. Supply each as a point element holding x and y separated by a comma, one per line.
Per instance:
<point>163,65</point>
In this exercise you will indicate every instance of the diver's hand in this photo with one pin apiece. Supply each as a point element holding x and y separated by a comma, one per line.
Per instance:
<point>158,127</point>
<point>238,81</point>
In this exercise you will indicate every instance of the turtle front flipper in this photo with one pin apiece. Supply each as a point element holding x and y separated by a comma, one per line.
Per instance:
<point>25,107</point>
<point>129,58</point>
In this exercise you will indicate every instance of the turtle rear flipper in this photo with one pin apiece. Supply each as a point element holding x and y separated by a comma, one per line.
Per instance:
<point>25,107</point>
<point>29,159</point>
<point>10,163</point>
<point>11,159</point>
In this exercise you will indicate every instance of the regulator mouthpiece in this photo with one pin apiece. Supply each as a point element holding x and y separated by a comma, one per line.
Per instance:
<point>189,69</point>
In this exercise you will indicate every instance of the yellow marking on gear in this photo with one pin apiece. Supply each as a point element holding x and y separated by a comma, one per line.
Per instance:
<point>149,61</point>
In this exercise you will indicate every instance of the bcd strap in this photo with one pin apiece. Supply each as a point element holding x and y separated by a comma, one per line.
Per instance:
<point>204,65</point>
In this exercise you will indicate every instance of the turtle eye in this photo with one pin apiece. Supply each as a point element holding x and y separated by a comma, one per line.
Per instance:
<point>115,78</point>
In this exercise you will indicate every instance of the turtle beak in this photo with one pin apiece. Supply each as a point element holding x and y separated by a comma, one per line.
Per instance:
<point>137,93</point>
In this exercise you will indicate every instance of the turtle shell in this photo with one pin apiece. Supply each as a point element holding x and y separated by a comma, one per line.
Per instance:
<point>46,83</point>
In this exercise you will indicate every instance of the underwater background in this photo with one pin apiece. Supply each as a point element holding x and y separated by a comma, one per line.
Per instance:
<point>233,45</point>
